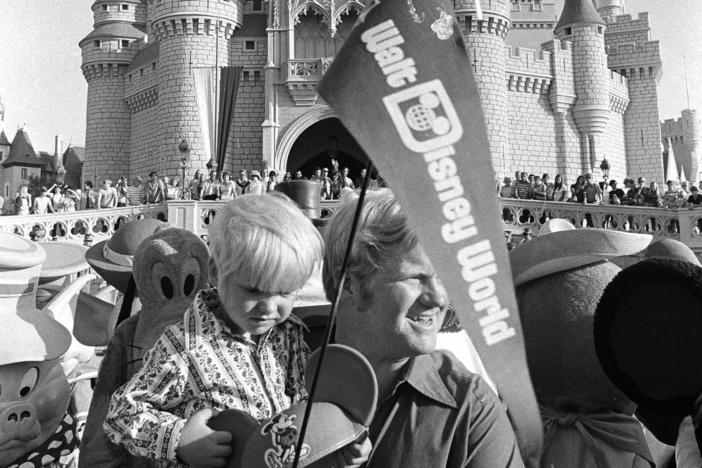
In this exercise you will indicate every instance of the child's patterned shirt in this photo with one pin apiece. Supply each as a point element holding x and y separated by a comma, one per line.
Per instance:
<point>200,363</point>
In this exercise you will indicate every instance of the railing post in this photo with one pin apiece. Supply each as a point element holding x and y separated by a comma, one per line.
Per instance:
<point>183,214</point>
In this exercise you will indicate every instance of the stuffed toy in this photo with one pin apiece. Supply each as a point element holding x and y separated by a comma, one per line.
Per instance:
<point>170,267</point>
<point>338,417</point>
<point>112,259</point>
<point>36,427</point>
<point>559,278</point>
<point>647,335</point>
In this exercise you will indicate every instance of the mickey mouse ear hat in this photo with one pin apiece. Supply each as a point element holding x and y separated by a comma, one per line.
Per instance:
<point>344,406</point>
<point>647,330</point>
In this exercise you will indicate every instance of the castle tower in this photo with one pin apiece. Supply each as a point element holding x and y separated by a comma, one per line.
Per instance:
<point>581,24</point>
<point>190,35</point>
<point>610,9</point>
<point>485,43</point>
<point>107,51</point>
<point>692,139</point>
<point>631,53</point>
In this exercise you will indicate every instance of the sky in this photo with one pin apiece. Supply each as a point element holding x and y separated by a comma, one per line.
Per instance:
<point>42,86</point>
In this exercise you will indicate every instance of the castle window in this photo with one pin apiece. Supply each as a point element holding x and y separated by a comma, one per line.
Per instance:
<point>250,45</point>
<point>124,43</point>
<point>196,26</point>
<point>1,155</point>
<point>569,31</point>
<point>153,66</point>
<point>124,7</point>
<point>141,72</point>
<point>96,44</point>
<point>257,75</point>
<point>23,173</point>
<point>130,77</point>
<point>257,5</point>
<point>599,29</point>
<point>104,8</point>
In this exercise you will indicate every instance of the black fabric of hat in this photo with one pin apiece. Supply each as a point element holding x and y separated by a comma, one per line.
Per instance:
<point>647,336</point>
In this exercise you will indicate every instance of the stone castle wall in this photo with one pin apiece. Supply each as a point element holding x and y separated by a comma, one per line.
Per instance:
<point>108,134</point>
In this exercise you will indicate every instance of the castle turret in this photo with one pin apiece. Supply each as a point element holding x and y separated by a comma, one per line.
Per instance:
<point>610,9</point>
<point>190,35</point>
<point>631,53</point>
<point>485,41</point>
<point>107,51</point>
<point>692,139</point>
<point>581,24</point>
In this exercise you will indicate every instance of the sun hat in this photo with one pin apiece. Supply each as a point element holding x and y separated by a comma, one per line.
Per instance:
<point>112,258</point>
<point>565,249</point>
<point>343,407</point>
<point>26,334</point>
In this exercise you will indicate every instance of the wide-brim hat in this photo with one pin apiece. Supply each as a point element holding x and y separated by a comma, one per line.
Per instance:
<point>112,258</point>
<point>647,336</point>
<point>343,407</point>
<point>566,249</point>
<point>26,334</point>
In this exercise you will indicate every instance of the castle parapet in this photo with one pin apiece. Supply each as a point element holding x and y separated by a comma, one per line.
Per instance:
<point>618,92</point>
<point>195,17</point>
<point>528,70</point>
<point>107,11</point>
<point>625,23</point>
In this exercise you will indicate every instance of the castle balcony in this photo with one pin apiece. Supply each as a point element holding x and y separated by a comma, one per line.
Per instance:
<point>303,77</point>
<point>683,224</point>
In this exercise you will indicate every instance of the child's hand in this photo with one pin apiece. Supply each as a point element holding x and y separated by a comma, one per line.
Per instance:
<point>199,446</point>
<point>356,453</point>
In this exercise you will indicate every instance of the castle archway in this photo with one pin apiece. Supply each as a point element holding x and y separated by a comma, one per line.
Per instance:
<point>313,139</point>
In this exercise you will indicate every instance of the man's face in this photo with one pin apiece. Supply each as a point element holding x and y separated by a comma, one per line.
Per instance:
<point>242,174</point>
<point>317,172</point>
<point>325,172</point>
<point>363,173</point>
<point>154,177</point>
<point>213,174</point>
<point>403,306</point>
<point>588,180</point>
<point>298,174</point>
<point>522,176</point>
<point>225,177</point>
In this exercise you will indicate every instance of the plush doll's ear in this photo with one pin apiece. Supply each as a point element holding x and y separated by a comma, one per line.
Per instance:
<point>647,330</point>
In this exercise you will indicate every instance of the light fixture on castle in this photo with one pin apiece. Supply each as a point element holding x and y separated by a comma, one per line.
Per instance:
<point>604,167</point>
<point>184,149</point>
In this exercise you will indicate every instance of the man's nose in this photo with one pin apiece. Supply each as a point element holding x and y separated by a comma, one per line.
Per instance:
<point>434,294</point>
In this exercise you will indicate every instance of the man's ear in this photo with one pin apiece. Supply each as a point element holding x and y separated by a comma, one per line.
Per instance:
<point>212,270</point>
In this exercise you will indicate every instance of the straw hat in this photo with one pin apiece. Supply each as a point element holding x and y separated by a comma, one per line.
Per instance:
<point>112,258</point>
<point>564,249</point>
<point>26,334</point>
<point>338,417</point>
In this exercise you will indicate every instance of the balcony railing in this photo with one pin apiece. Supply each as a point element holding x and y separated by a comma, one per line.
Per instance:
<point>684,224</point>
<point>73,226</point>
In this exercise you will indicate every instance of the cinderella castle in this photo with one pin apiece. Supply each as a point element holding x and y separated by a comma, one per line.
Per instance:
<point>561,91</point>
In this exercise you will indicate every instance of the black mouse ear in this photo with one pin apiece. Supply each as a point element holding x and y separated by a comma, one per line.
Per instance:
<point>647,333</point>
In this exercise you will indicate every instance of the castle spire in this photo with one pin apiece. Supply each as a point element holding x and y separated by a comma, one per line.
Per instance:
<point>578,12</point>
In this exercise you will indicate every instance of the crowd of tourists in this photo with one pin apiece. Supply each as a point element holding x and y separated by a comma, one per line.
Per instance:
<point>157,189</point>
<point>635,192</point>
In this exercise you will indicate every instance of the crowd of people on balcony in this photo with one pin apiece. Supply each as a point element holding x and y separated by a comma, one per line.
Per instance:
<point>586,190</point>
<point>205,186</point>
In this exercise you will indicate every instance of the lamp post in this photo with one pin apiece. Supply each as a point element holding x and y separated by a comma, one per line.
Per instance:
<point>184,149</point>
<point>604,167</point>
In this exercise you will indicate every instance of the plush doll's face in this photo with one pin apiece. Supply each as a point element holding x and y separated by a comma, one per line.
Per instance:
<point>170,267</point>
<point>34,397</point>
<point>557,314</point>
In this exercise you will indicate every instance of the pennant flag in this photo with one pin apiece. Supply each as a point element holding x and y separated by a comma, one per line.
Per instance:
<point>418,117</point>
